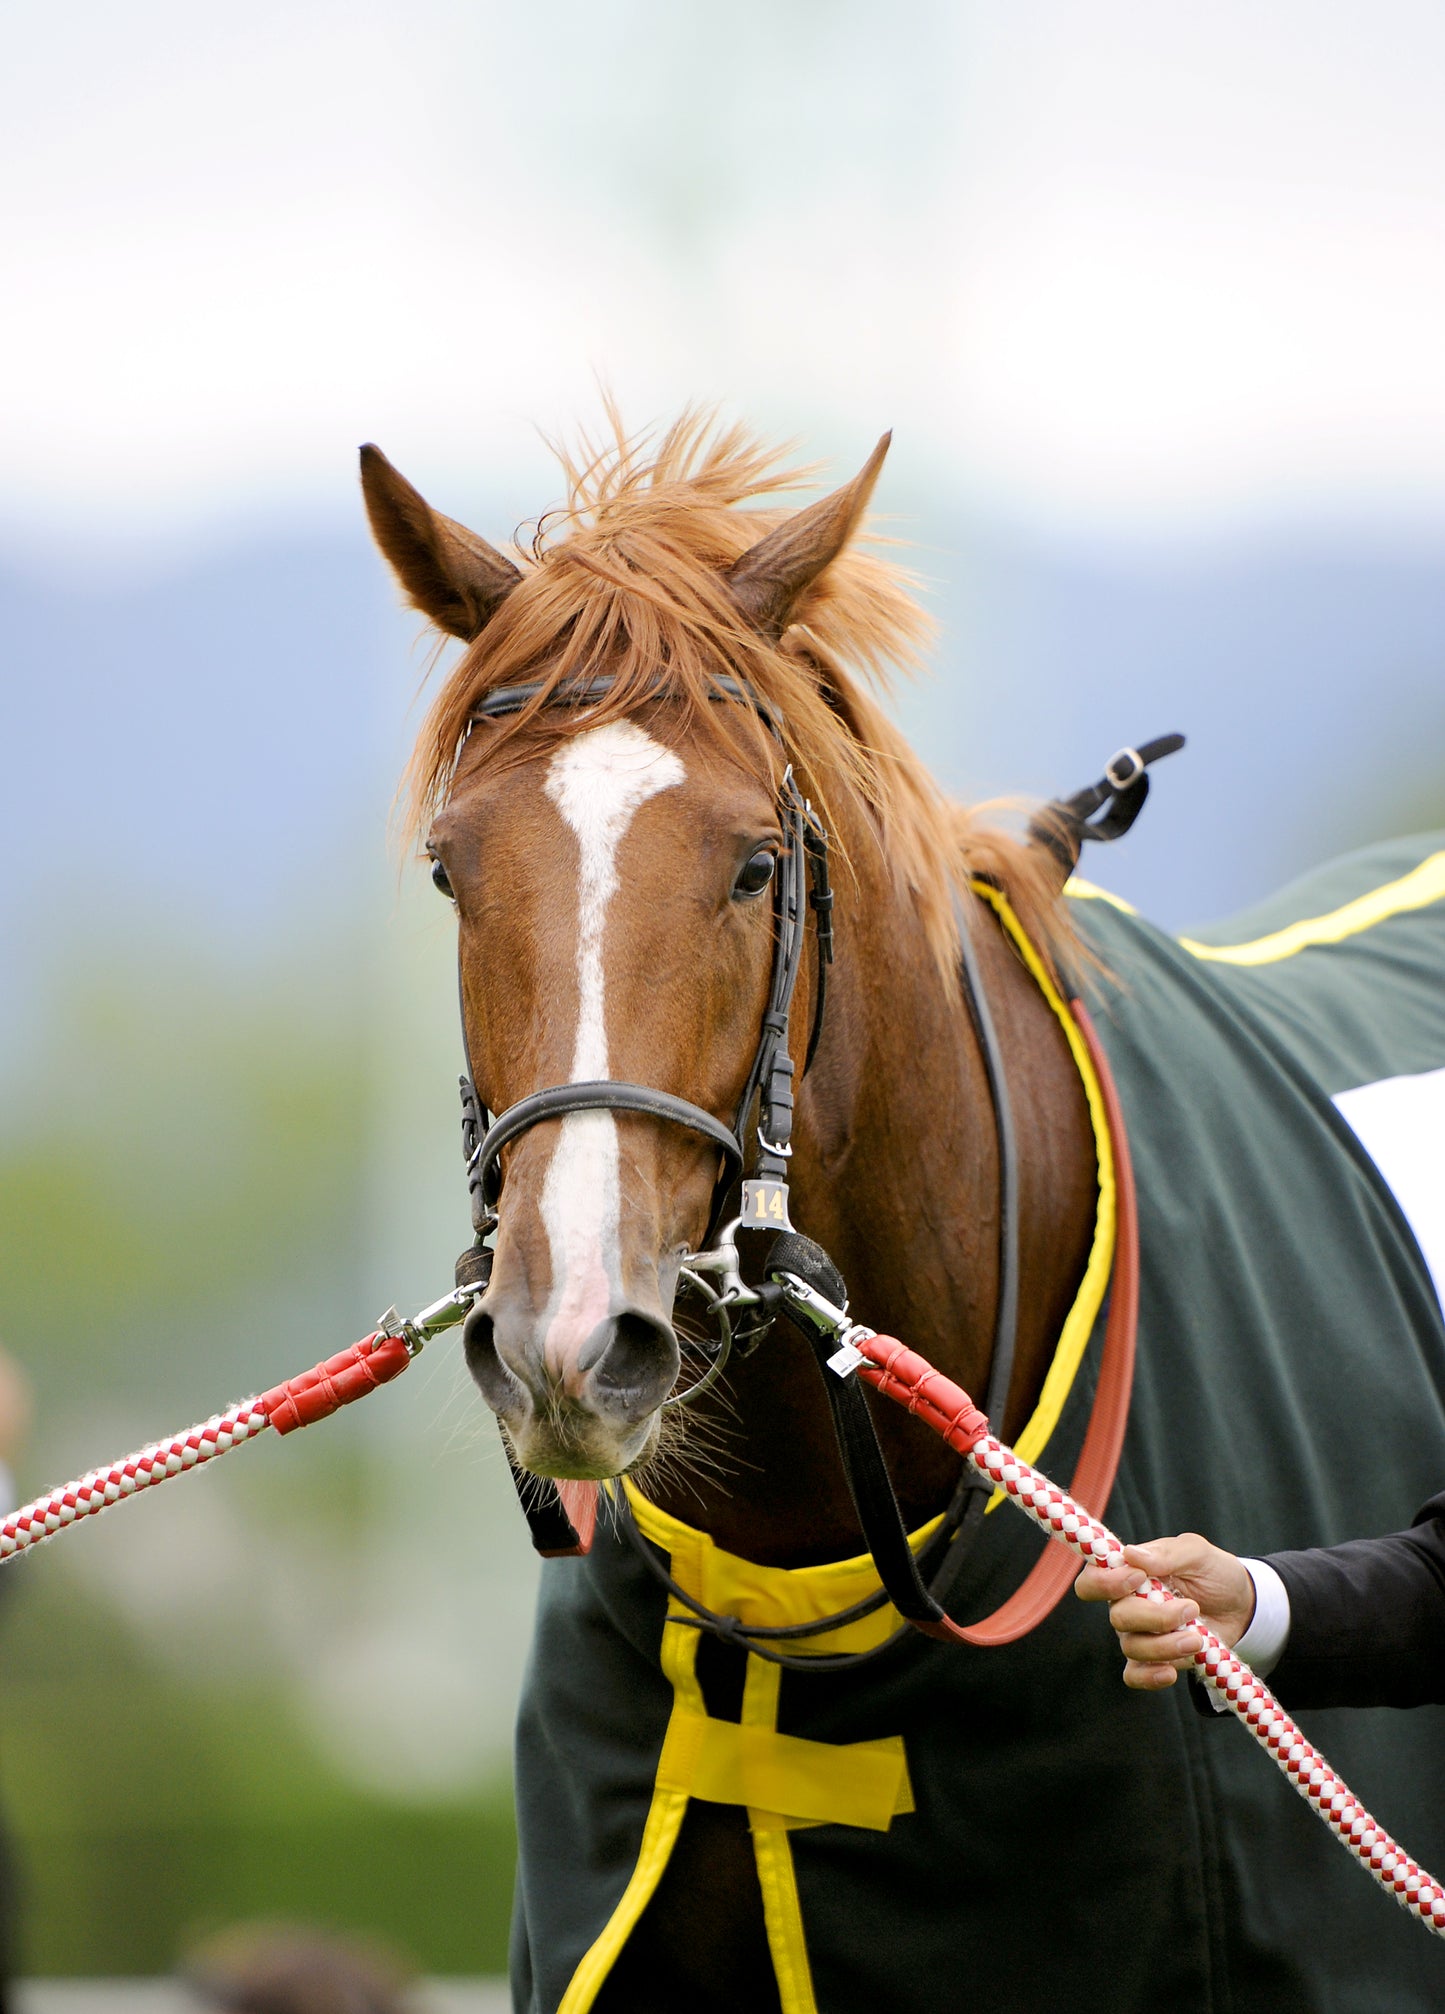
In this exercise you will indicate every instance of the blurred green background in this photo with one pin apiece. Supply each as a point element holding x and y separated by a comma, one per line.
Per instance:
<point>1156,304</point>
<point>283,1689</point>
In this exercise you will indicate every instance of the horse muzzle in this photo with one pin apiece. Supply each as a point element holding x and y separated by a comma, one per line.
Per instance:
<point>586,1415</point>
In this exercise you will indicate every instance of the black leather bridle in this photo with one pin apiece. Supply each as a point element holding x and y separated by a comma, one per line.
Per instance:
<point>800,883</point>
<point>916,1587</point>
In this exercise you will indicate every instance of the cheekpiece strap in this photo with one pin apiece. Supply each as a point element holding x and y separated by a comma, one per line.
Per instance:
<point>473,1133</point>
<point>505,699</point>
<point>801,884</point>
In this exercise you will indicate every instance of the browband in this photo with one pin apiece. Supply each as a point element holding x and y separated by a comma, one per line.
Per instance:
<point>505,699</point>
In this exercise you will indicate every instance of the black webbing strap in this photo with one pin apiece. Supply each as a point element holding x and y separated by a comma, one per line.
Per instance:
<point>760,1640</point>
<point>971,1496</point>
<point>1104,810</point>
<point>869,1483</point>
<point>871,1489</point>
<point>771,1077</point>
<point>820,901</point>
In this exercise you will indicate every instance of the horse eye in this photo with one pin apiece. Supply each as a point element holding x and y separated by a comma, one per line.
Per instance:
<point>757,873</point>
<point>439,879</point>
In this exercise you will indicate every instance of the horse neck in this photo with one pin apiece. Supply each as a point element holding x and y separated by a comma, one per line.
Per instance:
<point>896,1173</point>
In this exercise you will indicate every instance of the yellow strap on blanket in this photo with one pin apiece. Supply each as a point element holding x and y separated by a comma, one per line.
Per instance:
<point>863,1783</point>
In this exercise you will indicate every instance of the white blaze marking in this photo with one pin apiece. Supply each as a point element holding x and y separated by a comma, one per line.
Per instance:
<point>596,780</point>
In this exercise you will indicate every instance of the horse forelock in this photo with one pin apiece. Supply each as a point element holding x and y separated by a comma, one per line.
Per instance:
<point>628,578</point>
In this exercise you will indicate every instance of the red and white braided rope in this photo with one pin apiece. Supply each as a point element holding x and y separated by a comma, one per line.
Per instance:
<point>904,1376</point>
<point>98,1489</point>
<point>314,1395</point>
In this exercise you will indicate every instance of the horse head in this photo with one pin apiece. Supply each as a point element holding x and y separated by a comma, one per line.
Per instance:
<point>610,835</point>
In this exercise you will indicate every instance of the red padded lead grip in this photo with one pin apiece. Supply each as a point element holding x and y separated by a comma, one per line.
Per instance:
<point>351,1374</point>
<point>910,1379</point>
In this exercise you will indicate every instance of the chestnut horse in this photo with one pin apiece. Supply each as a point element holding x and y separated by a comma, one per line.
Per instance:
<point>610,859</point>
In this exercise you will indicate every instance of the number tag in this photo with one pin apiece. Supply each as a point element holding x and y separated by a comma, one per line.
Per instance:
<point>765,1205</point>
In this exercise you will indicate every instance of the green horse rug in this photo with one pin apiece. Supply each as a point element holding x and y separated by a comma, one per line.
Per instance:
<point>1011,1829</point>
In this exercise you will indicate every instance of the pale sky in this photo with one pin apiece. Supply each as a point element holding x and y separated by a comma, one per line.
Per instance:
<point>1117,264</point>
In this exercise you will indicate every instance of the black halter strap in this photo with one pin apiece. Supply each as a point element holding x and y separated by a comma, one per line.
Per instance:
<point>917,1588</point>
<point>800,882</point>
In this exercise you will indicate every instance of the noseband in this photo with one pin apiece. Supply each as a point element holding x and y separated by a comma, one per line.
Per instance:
<point>800,884</point>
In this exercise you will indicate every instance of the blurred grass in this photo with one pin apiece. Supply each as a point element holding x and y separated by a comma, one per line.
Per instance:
<point>188,1211</point>
<point>185,1143</point>
<point>146,1810</point>
<point>184,1216</point>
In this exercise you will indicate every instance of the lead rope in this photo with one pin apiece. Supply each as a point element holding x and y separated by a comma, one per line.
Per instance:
<point>902,1375</point>
<point>896,1371</point>
<point>313,1395</point>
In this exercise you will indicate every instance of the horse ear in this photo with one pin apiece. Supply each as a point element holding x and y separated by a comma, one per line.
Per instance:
<point>450,574</point>
<point>772,576</point>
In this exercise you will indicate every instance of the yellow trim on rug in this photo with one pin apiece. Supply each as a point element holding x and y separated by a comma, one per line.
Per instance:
<point>783,1918</point>
<point>1416,890</point>
<point>659,1836</point>
<point>784,1781</point>
<point>1090,891</point>
<point>767,1596</point>
<point>773,1855</point>
<point>1423,885</point>
<point>762,1689</point>
<point>860,1783</point>
<point>1080,1320</point>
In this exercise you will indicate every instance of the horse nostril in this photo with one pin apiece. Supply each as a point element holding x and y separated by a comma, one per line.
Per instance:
<point>633,1360</point>
<point>496,1383</point>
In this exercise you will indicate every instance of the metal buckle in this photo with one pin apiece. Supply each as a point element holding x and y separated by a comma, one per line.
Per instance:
<point>1123,769</point>
<point>731,1296</point>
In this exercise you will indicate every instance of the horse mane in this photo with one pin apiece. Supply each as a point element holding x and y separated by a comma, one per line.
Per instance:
<point>627,577</point>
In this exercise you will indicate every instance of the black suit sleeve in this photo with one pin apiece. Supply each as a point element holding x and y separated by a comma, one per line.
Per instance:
<point>1367,1619</point>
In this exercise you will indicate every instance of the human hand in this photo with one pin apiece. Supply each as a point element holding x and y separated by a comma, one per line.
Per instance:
<point>1156,1637</point>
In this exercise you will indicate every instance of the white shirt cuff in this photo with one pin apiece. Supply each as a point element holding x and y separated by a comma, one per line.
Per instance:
<point>1263,1643</point>
<point>7,1491</point>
